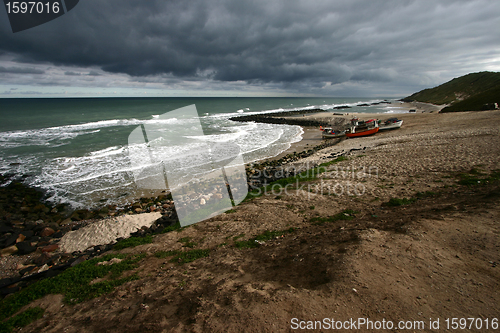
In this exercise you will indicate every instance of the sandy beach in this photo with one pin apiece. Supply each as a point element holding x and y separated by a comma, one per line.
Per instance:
<point>312,135</point>
<point>339,248</point>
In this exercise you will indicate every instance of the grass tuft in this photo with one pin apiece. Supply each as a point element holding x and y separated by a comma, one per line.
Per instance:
<point>187,242</point>
<point>132,242</point>
<point>267,235</point>
<point>394,202</point>
<point>347,214</point>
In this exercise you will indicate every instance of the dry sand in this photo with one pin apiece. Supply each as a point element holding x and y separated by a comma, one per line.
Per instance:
<point>312,135</point>
<point>435,258</point>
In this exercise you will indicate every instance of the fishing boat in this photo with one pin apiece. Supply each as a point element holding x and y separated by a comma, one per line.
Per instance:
<point>391,123</point>
<point>362,128</point>
<point>329,133</point>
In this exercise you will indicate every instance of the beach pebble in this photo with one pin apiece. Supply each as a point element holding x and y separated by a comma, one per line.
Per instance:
<point>8,251</point>
<point>46,232</point>
<point>50,248</point>
<point>43,268</point>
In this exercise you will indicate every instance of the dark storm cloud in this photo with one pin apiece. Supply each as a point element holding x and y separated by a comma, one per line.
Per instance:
<point>309,43</point>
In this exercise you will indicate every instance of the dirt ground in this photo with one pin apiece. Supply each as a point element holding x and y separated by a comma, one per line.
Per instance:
<point>434,258</point>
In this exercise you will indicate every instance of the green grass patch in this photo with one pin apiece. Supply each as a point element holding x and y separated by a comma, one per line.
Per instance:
<point>475,177</point>
<point>132,242</point>
<point>230,211</point>
<point>267,235</point>
<point>74,283</point>
<point>23,319</point>
<point>337,160</point>
<point>187,242</point>
<point>426,194</point>
<point>347,214</point>
<point>394,202</point>
<point>176,227</point>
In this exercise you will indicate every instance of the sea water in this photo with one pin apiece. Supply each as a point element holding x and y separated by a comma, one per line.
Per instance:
<point>76,149</point>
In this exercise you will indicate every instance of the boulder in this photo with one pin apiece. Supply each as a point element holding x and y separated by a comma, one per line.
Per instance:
<point>11,240</point>
<point>25,247</point>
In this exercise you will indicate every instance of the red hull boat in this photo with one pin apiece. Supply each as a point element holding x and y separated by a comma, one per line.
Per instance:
<point>362,133</point>
<point>362,128</point>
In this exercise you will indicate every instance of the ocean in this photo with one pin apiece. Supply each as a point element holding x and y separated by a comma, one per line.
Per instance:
<point>76,149</point>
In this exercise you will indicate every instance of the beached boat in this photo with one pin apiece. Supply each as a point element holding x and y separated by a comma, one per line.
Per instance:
<point>329,133</point>
<point>389,124</point>
<point>362,128</point>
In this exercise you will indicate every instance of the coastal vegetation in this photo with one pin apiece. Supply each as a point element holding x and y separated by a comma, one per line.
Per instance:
<point>76,284</point>
<point>471,92</point>
<point>265,236</point>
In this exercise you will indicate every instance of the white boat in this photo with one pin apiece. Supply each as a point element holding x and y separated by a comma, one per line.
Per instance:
<point>392,123</point>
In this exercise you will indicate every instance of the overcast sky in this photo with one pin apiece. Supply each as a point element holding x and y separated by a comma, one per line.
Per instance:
<point>250,48</point>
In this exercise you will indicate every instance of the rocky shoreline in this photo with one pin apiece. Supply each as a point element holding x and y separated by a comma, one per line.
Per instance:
<point>31,228</point>
<point>283,118</point>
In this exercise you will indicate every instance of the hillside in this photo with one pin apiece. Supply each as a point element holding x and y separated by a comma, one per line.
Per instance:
<point>479,102</point>
<point>461,90</point>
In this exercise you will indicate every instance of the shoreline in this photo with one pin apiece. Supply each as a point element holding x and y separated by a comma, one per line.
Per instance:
<point>311,137</point>
<point>441,173</point>
<point>304,152</point>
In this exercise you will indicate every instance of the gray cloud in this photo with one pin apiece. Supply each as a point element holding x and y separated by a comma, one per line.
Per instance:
<point>21,70</point>
<point>321,46</point>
